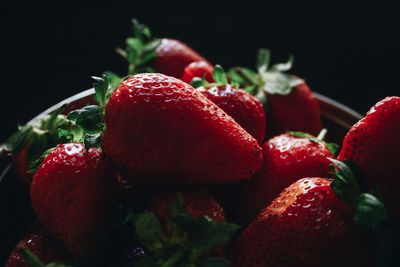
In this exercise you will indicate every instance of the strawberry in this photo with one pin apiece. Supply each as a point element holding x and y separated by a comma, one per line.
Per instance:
<point>373,144</point>
<point>167,56</point>
<point>173,56</point>
<point>287,158</point>
<point>182,230</point>
<point>306,225</point>
<point>244,108</point>
<point>288,100</point>
<point>30,141</point>
<point>44,246</point>
<point>198,69</point>
<point>164,130</point>
<point>72,195</point>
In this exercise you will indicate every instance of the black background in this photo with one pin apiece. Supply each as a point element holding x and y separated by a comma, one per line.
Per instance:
<point>347,50</point>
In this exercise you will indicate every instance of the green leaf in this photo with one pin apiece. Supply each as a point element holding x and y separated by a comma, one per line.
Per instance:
<point>77,133</point>
<point>332,147</point>
<point>207,234</point>
<point>196,82</point>
<point>54,119</point>
<point>345,186</point>
<point>235,76</point>
<point>213,262</point>
<point>369,211</point>
<point>36,164</point>
<point>101,85</point>
<point>249,75</point>
<point>140,49</point>
<point>113,78</point>
<point>212,235</point>
<point>302,135</point>
<point>65,134</point>
<point>283,66</point>
<point>151,46</point>
<point>147,58</point>
<point>278,83</point>
<point>219,75</point>
<point>90,118</point>
<point>251,89</point>
<point>263,58</point>
<point>36,146</point>
<point>135,44</point>
<point>148,230</point>
<point>18,139</point>
<point>92,140</point>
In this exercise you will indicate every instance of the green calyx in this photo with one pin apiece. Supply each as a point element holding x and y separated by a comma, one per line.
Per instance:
<point>349,186</point>
<point>38,136</point>
<point>332,147</point>
<point>185,239</point>
<point>219,76</point>
<point>140,49</point>
<point>268,79</point>
<point>87,123</point>
<point>83,125</point>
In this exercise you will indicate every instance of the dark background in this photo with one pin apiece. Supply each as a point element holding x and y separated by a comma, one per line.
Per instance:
<point>348,51</point>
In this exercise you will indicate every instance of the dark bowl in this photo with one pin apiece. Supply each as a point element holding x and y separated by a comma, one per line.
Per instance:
<point>15,210</point>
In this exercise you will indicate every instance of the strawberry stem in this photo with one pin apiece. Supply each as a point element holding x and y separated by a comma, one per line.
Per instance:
<point>30,257</point>
<point>322,134</point>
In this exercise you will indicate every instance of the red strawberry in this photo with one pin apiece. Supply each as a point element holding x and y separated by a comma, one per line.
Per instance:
<point>173,56</point>
<point>30,141</point>
<point>305,226</point>
<point>373,144</point>
<point>287,158</point>
<point>40,243</point>
<point>289,101</point>
<point>244,108</point>
<point>163,129</point>
<point>297,111</point>
<point>71,194</point>
<point>197,69</point>
<point>147,54</point>
<point>21,167</point>
<point>197,202</point>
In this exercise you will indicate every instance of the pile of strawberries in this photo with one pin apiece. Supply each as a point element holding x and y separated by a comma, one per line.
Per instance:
<point>151,171</point>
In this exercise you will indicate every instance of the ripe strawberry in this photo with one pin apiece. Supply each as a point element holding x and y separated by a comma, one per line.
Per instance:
<point>297,111</point>
<point>305,226</point>
<point>147,54</point>
<point>163,129</point>
<point>173,56</point>
<point>21,167</point>
<point>287,158</point>
<point>44,246</point>
<point>244,108</point>
<point>373,144</point>
<point>71,194</point>
<point>197,69</point>
<point>30,141</point>
<point>197,202</point>
<point>288,100</point>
